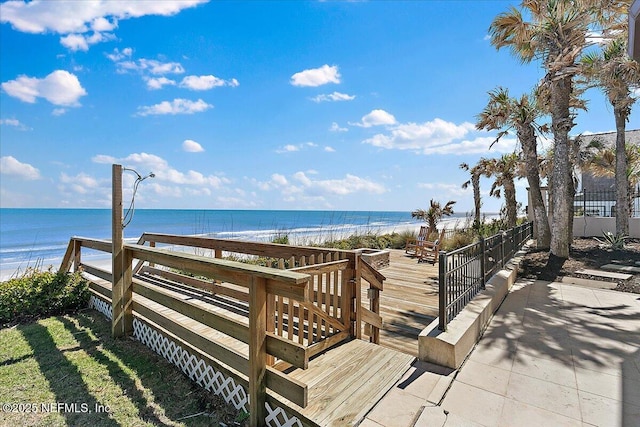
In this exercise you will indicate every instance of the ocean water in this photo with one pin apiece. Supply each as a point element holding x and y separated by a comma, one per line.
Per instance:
<point>30,237</point>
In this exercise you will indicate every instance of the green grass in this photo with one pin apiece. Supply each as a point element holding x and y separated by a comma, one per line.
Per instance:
<point>73,359</point>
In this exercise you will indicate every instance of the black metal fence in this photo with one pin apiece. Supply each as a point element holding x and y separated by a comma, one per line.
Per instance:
<point>603,203</point>
<point>465,271</point>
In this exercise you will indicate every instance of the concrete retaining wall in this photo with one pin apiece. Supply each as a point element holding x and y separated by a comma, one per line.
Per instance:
<point>450,348</point>
<point>591,226</point>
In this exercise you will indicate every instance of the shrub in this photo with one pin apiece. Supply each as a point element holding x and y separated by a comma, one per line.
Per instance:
<point>459,239</point>
<point>41,293</point>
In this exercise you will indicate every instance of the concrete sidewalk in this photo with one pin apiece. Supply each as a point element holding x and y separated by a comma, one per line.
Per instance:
<point>554,354</point>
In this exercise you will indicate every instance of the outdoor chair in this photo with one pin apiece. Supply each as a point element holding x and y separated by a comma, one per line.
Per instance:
<point>429,250</point>
<point>412,246</point>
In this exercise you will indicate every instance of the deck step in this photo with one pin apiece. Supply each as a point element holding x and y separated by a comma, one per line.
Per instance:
<point>607,274</point>
<point>621,267</point>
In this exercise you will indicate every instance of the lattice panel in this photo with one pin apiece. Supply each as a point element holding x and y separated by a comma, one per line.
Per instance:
<point>277,417</point>
<point>194,367</point>
<point>197,369</point>
<point>102,306</point>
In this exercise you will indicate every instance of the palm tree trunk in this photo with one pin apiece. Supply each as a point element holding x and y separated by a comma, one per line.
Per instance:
<point>561,123</point>
<point>622,180</point>
<point>475,181</point>
<point>511,202</point>
<point>529,142</point>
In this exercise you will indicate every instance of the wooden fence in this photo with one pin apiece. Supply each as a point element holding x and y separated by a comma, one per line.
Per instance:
<point>308,303</point>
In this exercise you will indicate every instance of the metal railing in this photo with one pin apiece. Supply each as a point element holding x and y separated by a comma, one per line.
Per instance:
<point>603,203</point>
<point>465,271</point>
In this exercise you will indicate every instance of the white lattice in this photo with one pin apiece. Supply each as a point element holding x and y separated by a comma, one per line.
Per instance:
<point>194,367</point>
<point>197,369</point>
<point>277,417</point>
<point>102,306</point>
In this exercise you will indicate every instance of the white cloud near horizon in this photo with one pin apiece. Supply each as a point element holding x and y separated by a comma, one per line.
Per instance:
<point>191,146</point>
<point>83,23</point>
<point>206,82</point>
<point>59,88</point>
<point>316,76</point>
<point>177,106</point>
<point>9,165</point>
<point>333,97</point>
<point>376,118</point>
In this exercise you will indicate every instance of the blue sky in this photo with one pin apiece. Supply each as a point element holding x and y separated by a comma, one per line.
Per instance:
<point>254,105</point>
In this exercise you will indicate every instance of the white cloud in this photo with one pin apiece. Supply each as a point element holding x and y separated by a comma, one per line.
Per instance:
<point>329,149</point>
<point>9,165</point>
<point>15,123</point>
<point>290,148</point>
<point>151,66</point>
<point>478,145</point>
<point>119,55</point>
<point>206,82</point>
<point>316,76</point>
<point>335,127</point>
<point>412,136</point>
<point>81,183</point>
<point>75,42</point>
<point>75,19</point>
<point>159,83</point>
<point>332,97</point>
<point>59,88</point>
<point>177,106</point>
<point>303,188</point>
<point>59,111</point>
<point>376,118</point>
<point>190,146</point>
<point>445,189</point>
<point>164,173</point>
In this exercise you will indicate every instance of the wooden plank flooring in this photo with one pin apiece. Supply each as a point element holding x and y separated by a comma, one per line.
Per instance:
<point>409,301</point>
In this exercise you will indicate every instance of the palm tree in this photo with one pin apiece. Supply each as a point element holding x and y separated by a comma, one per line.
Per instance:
<point>475,172</point>
<point>604,163</point>
<point>617,75</point>
<point>556,34</point>
<point>504,112</point>
<point>434,214</point>
<point>505,171</point>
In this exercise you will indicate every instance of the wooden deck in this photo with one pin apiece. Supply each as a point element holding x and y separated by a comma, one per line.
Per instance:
<point>344,383</point>
<point>409,301</point>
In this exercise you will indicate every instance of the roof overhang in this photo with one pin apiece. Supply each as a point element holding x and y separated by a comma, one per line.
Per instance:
<point>634,30</point>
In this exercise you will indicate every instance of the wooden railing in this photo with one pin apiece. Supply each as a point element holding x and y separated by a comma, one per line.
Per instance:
<point>311,302</point>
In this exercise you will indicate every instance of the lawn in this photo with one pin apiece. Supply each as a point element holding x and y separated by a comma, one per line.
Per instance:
<point>68,371</point>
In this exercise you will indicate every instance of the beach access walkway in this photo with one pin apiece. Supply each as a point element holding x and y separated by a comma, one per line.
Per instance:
<point>554,354</point>
<point>409,301</point>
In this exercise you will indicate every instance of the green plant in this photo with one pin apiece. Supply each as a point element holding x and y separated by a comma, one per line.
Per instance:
<point>41,293</point>
<point>281,238</point>
<point>612,241</point>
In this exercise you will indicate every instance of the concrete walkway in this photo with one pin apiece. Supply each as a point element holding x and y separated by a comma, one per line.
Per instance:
<point>554,354</point>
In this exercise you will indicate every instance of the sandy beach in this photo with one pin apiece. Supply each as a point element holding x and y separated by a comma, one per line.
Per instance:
<point>300,239</point>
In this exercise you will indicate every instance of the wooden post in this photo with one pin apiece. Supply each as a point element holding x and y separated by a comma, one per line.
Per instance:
<point>357,297</point>
<point>77,255</point>
<point>117,321</point>
<point>257,351</point>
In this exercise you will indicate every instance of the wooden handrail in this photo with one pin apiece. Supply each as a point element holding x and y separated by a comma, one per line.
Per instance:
<point>270,250</point>
<point>278,282</point>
